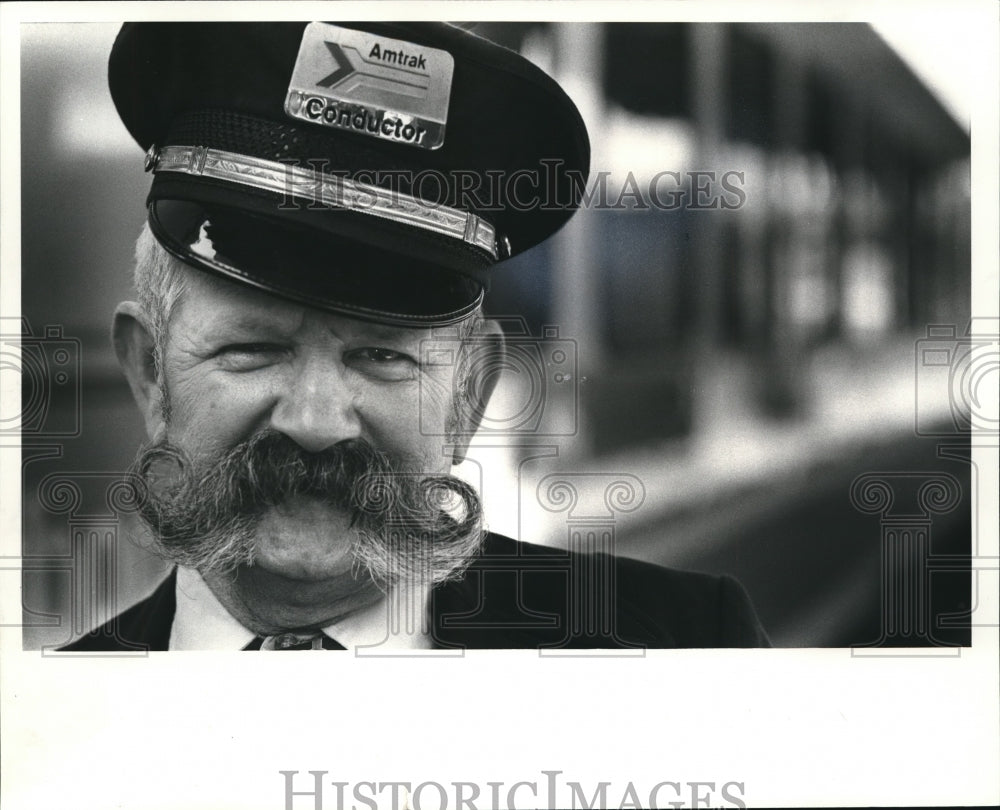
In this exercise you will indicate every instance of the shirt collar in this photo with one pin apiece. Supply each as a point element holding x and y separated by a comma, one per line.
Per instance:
<point>201,622</point>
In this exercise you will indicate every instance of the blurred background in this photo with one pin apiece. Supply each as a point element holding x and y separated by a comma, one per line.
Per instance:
<point>710,380</point>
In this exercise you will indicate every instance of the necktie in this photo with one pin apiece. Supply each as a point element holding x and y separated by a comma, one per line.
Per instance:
<point>293,641</point>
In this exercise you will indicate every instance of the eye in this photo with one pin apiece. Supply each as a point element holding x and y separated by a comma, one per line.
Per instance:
<point>249,356</point>
<point>381,363</point>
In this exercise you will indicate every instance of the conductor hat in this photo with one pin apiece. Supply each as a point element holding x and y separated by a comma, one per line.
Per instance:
<point>380,170</point>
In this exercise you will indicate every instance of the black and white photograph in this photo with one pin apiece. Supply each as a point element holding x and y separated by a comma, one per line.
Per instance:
<point>616,390</point>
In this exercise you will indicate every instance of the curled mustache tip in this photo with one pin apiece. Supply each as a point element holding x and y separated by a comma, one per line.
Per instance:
<point>204,512</point>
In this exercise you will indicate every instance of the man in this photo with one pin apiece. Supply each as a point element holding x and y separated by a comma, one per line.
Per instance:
<point>328,203</point>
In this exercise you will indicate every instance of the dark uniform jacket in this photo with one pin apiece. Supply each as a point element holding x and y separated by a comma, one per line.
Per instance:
<point>518,595</point>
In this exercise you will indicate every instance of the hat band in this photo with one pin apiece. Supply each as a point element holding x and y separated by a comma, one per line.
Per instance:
<point>319,188</point>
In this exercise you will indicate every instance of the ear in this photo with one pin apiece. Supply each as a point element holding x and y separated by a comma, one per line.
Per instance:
<point>479,385</point>
<point>133,342</point>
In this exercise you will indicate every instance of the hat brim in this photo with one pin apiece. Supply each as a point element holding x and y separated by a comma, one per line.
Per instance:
<point>316,268</point>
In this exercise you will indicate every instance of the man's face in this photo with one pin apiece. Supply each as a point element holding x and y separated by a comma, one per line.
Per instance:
<point>239,362</point>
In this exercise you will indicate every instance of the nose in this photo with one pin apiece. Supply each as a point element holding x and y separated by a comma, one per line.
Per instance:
<point>318,408</point>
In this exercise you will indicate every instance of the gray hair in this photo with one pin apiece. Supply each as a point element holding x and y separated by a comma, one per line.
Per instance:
<point>160,278</point>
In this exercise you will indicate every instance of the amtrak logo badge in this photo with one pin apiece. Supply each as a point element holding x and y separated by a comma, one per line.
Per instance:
<point>372,85</point>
